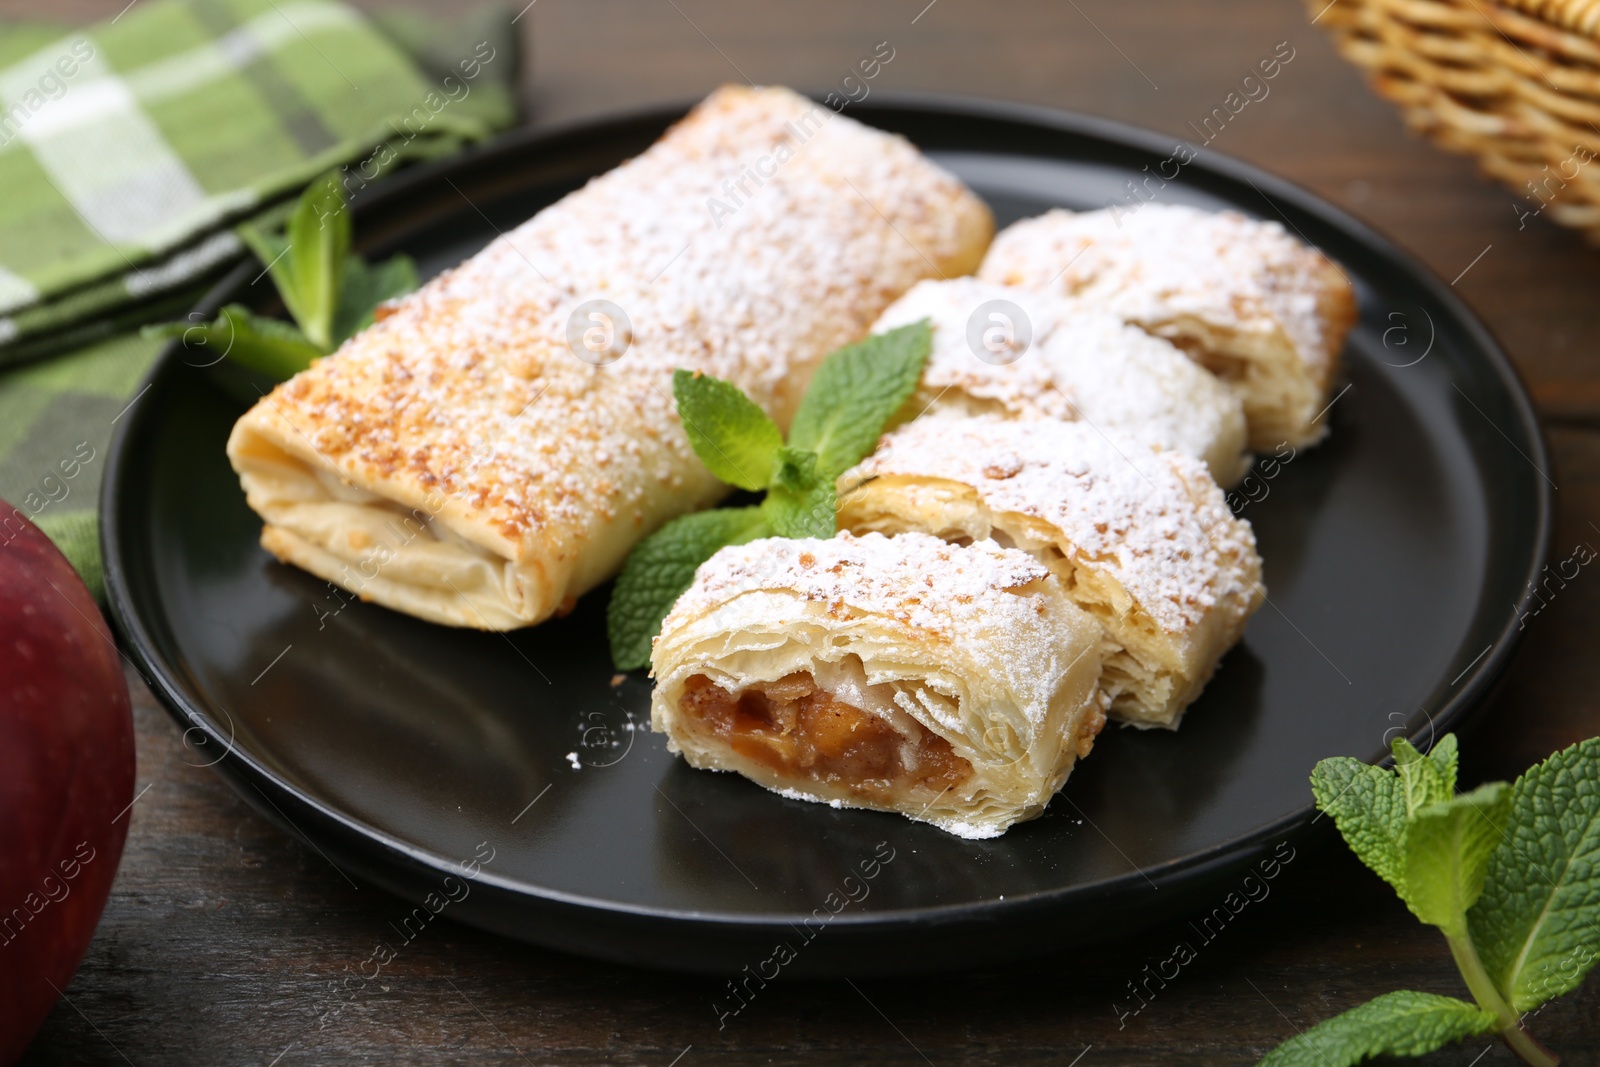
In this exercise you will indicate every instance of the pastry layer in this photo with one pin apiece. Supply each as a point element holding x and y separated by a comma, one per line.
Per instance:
<point>1065,359</point>
<point>1140,538</point>
<point>1248,301</point>
<point>459,461</point>
<point>953,684</point>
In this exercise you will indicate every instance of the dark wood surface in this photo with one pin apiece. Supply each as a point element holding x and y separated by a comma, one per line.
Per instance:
<point>226,940</point>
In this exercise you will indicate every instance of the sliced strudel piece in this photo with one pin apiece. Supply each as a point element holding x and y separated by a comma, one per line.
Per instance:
<point>1141,538</point>
<point>1021,354</point>
<point>494,446</point>
<point>953,684</point>
<point>1250,302</point>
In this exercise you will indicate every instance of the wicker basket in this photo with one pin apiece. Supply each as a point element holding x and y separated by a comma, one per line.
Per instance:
<point>1515,83</point>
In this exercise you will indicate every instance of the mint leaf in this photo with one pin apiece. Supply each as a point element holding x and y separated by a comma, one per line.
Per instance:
<point>307,263</point>
<point>270,346</point>
<point>1425,780</point>
<point>732,436</point>
<point>1537,925</point>
<point>1447,848</point>
<point>1368,805</point>
<point>319,242</point>
<point>270,249</point>
<point>809,512</point>
<point>1446,756</point>
<point>363,287</point>
<point>661,567</point>
<point>855,392</point>
<point>1403,1023</point>
<point>800,504</point>
<point>273,252</point>
<point>794,469</point>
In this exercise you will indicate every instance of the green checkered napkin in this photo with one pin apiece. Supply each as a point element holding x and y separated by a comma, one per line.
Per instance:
<point>130,149</point>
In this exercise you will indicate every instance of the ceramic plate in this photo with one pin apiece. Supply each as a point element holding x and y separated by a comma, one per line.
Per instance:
<point>399,750</point>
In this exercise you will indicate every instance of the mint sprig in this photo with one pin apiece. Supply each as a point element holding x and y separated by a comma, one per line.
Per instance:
<point>854,393</point>
<point>1510,874</point>
<point>1404,1023</point>
<point>330,292</point>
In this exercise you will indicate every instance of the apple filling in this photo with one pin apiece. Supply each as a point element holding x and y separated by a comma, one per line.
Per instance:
<point>803,730</point>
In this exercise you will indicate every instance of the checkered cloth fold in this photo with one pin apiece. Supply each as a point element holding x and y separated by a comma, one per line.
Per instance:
<point>128,152</point>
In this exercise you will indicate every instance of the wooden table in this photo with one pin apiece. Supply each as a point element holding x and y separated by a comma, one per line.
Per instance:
<point>225,939</point>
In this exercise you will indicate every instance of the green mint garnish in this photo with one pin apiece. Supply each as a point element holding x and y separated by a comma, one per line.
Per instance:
<point>1537,924</point>
<point>307,261</point>
<point>271,346</point>
<point>1447,848</point>
<point>661,567</point>
<point>362,287</point>
<point>1369,808</point>
<point>1395,1024</point>
<point>854,394</point>
<point>800,501</point>
<point>810,512</point>
<point>330,292</point>
<point>1510,874</point>
<point>730,433</point>
<point>1426,778</point>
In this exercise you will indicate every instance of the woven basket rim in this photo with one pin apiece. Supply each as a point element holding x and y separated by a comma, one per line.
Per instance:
<point>1512,83</point>
<point>1576,16</point>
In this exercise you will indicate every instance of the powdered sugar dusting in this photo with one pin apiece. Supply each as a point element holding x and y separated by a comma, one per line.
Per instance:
<point>468,388</point>
<point>1153,518</point>
<point>1168,261</point>
<point>1081,363</point>
<point>926,584</point>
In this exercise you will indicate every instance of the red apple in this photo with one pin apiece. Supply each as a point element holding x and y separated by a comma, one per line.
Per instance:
<point>66,775</point>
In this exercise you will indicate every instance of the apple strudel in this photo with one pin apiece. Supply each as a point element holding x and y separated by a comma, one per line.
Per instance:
<point>953,684</point>
<point>1247,300</point>
<point>1140,538</point>
<point>1021,354</point>
<point>494,445</point>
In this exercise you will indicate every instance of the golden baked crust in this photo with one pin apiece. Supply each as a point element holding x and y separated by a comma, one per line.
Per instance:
<point>458,462</point>
<point>978,645</point>
<point>1247,300</point>
<point>1141,538</point>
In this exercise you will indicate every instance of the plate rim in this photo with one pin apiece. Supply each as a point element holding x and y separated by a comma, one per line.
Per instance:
<point>239,767</point>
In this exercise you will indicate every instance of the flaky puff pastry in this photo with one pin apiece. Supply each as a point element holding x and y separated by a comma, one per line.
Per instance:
<point>1140,538</point>
<point>494,446</point>
<point>1247,300</point>
<point>1013,352</point>
<point>954,685</point>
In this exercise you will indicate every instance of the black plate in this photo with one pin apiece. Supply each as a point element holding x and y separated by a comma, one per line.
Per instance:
<point>1394,555</point>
